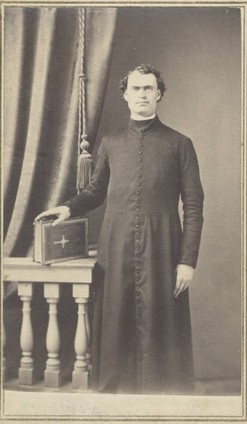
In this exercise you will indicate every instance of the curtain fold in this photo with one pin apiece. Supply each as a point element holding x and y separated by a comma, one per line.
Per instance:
<point>41,83</point>
<point>41,69</point>
<point>100,24</point>
<point>20,30</point>
<point>12,89</point>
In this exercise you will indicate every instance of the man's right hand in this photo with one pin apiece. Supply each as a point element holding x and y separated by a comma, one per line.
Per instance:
<point>62,212</point>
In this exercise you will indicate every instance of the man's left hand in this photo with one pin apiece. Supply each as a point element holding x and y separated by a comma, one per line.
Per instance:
<point>184,278</point>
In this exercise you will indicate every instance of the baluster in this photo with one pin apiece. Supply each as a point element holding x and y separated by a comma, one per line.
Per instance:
<point>4,373</point>
<point>25,291</point>
<point>80,373</point>
<point>88,354</point>
<point>52,372</point>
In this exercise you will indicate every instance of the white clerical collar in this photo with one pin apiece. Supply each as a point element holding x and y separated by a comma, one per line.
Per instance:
<point>141,118</point>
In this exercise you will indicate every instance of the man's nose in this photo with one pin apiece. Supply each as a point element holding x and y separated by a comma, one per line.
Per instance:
<point>142,92</point>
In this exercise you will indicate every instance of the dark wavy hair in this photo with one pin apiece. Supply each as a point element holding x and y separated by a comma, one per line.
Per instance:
<point>144,69</point>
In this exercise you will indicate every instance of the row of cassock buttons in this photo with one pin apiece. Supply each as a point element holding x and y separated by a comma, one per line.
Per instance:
<point>138,231</point>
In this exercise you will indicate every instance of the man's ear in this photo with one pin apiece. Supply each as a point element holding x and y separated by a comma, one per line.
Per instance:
<point>125,95</point>
<point>158,95</point>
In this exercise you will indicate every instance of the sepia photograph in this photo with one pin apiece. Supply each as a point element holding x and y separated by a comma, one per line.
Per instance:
<point>123,212</point>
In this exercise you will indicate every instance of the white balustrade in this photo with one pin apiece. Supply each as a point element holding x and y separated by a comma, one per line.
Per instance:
<point>80,373</point>
<point>52,372</point>
<point>3,360</point>
<point>27,273</point>
<point>25,291</point>
<point>88,354</point>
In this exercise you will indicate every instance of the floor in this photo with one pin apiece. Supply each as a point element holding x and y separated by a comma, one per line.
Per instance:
<point>222,387</point>
<point>206,387</point>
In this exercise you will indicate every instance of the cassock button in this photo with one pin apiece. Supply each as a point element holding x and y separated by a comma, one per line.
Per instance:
<point>139,167</point>
<point>139,184</point>
<point>140,160</point>
<point>138,201</point>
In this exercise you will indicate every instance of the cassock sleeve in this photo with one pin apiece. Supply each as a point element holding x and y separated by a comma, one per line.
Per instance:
<point>95,193</point>
<point>192,197</point>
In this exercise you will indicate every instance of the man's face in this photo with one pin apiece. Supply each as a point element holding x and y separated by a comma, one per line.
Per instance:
<point>142,94</point>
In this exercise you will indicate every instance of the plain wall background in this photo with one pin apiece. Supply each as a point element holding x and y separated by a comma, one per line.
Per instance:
<point>198,51</point>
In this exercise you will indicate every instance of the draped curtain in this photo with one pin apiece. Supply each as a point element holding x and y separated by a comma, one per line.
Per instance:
<point>40,108</point>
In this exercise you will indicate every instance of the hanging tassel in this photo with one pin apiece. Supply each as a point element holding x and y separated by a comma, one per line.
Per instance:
<point>85,166</point>
<point>85,162</point>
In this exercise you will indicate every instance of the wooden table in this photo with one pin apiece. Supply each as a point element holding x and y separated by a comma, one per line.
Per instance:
<point>77,272</point>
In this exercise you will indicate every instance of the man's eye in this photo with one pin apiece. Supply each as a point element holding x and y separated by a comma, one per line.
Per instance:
<point>149,88</point>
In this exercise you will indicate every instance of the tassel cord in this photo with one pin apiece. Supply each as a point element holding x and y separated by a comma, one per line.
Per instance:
<point>84,169</point>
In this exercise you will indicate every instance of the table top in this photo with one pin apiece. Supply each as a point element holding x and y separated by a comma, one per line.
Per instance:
<point>28,261</point>
<point>25,269</point>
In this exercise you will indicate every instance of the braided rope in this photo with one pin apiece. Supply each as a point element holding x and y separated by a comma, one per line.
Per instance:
<point>85,162</point>
<point>82,91</point>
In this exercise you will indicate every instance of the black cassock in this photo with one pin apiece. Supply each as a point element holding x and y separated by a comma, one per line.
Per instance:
<point>141,333</point>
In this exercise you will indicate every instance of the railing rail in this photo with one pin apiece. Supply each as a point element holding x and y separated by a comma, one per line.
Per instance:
<point>27,274</point>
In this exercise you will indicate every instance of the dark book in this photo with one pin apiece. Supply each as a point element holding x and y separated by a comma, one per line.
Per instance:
<point>66,241</point>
